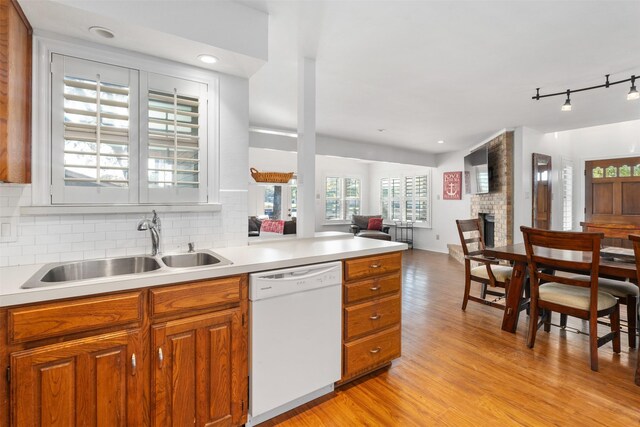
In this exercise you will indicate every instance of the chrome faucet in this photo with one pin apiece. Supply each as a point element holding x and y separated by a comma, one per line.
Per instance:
<point>155,228</point>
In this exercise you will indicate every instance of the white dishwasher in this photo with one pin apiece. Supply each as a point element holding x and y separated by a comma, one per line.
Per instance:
<point>295,337</point>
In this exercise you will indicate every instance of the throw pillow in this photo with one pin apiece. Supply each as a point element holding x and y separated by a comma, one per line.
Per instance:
<point>375,224</point>
<point>272,226</point>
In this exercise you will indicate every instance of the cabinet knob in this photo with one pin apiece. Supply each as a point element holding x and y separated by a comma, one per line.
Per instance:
<point>375,350</point>
<point>375,266</point>
<point>375,316</point>
<point>160,356</point>
<point>374,288</point>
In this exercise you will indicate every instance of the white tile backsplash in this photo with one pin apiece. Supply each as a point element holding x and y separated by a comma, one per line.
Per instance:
<point>55,238</point>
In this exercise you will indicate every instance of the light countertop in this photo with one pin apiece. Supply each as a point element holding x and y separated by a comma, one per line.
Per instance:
<point>246,259</point>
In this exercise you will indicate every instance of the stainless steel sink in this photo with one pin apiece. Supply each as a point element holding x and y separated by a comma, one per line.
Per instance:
<point>64,272</point>
<point>52,274</point>
<point>194,259</point>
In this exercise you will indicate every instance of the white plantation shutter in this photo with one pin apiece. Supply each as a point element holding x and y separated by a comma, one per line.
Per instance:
<point>567,194</point>
<point>174,140</point>
<point>94,132</point>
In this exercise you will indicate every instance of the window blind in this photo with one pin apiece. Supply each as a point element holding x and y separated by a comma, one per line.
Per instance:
<point>174,140</point>
<point>567,195</point>
<point>96,132</point>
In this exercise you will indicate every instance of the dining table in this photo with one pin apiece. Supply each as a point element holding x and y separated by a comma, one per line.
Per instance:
<point>517,256</point>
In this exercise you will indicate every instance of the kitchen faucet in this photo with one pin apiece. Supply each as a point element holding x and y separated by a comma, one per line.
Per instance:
<point>154,227</point>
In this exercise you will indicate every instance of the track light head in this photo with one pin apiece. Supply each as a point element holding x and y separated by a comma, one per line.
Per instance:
<point>633,92</point>
<point>567,103</point>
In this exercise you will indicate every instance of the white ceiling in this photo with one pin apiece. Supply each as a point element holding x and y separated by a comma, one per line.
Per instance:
<point>452,70</point>
<point>422,70</point>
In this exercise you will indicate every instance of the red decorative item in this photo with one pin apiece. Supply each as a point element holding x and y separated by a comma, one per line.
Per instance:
<point>272,226</point>
<point>374,224</point>
<point>452,186</point>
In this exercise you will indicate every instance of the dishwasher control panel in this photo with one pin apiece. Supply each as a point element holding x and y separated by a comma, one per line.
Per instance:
<point>270,284</point>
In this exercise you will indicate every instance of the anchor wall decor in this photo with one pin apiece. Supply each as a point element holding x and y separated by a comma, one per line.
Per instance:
<point>452,185</point>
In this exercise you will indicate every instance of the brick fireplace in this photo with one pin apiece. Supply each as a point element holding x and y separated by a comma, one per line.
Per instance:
<point>498,203</point>
<point>495,209</point>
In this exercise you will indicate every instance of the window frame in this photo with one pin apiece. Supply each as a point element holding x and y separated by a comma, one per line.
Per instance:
<point>45,46</point>
<point>402,198</point>
<point>342,197</point>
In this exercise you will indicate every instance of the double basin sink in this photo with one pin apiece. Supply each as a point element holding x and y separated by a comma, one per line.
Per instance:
<point>59,273</point>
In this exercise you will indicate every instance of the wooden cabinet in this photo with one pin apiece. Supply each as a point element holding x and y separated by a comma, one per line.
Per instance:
<point>372,311</point>
<point>15,94</point>
<point>198,372</point>
<point>174,355</point>
<point>96,381</point>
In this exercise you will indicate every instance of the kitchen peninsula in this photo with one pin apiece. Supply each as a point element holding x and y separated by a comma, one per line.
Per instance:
<point>137,341</point>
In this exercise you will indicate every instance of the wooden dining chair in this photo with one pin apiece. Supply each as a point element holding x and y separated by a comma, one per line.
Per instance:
<point>635,239</point>
<point>551,252</point>
<point>488,274</point>
<point>626,292</point>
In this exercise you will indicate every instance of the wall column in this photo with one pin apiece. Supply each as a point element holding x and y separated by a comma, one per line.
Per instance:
<point>306,221</point>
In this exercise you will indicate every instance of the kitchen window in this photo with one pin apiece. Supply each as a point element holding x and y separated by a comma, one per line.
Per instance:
<point>122,135</point>
<point>406,199</point>
<point>342,198</point>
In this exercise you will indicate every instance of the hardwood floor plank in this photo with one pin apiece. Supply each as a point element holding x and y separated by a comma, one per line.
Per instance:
<point>459,368</point>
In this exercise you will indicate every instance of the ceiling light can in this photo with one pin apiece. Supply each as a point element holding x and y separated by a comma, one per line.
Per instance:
<point>441,141</point>
<point>207,59</point>
<point>103,32</point>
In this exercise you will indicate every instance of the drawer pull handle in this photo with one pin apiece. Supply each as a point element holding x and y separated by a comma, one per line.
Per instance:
<point>375,266</point>
<point>375,288</point>
<point>375,316</point>
<point>134,364</point>
<point>375,350</point>
<point>160,356</point>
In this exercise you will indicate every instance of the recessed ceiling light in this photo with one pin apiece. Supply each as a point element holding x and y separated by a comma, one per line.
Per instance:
<point>441,142</point>
<point>208,59</point>
<point>381,130</point>
<point>105,33</point>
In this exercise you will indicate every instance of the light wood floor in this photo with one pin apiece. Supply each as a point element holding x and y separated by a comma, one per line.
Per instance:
<point>459,368</point>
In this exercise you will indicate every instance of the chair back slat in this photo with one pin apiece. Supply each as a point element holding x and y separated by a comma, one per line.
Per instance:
<point>472,242</point>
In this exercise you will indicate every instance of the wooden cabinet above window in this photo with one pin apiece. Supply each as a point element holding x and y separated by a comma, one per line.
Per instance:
<point>15,94</point>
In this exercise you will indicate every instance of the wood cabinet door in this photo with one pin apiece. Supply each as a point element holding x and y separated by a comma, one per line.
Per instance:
<point>199,371</point>
<point>95,381</point>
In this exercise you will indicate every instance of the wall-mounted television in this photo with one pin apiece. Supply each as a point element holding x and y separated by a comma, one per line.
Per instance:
<point>476,171</point>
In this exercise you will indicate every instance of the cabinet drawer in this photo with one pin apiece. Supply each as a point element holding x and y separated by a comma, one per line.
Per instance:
<point>371,351</point>
<point>66,317</point>
<point>195,295</point>
<point>371,316</point>
<point>371,288</point>
<point>372,266</point>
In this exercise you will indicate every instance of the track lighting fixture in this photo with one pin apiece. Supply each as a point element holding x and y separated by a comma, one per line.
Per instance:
<point>567,103</point>
<point>633,92</point>
<point>632,95</point>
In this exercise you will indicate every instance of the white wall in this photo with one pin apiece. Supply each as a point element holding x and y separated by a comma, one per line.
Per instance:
<point>578,145</point>
<point>526,142</point>
<point>597,142</point>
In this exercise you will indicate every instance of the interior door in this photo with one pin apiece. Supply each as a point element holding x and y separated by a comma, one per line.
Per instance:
<point>541,200</point>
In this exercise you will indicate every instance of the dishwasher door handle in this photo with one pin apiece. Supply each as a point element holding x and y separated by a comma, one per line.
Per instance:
<point>292,276</point>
